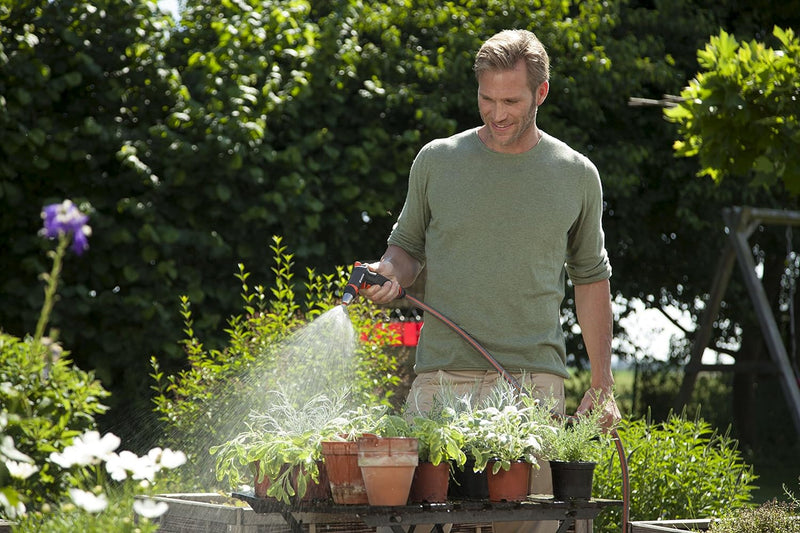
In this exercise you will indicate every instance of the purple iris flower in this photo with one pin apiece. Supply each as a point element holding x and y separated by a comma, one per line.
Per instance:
<point>66,219</point>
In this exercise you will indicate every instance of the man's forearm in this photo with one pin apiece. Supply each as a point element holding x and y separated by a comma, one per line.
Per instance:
<point>593,309</point>
<point>405,267</point>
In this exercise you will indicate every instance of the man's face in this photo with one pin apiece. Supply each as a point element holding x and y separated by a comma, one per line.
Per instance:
<point>508,109</point>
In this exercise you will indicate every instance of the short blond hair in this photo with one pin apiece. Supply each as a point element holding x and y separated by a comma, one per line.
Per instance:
<point>505,49</point>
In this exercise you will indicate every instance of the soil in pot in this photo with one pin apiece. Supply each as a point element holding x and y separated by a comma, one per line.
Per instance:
<point>509,485</point>
<point>572,480</point>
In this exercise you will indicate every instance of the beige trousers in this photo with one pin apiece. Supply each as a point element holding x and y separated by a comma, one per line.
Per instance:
<point>480,384</point>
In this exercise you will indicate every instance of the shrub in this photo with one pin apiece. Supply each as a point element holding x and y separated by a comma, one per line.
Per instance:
<point>678,468</point>
<point>276,342</point>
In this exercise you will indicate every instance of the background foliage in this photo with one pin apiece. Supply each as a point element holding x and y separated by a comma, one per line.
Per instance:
<point>196,141</point>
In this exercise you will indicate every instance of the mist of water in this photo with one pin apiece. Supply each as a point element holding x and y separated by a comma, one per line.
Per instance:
<point>318,358</point>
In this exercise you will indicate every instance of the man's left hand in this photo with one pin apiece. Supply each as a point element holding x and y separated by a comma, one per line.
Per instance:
<point>601,399</point>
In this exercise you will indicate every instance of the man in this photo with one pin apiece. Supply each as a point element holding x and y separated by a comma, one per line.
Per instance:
<point>498,215</point>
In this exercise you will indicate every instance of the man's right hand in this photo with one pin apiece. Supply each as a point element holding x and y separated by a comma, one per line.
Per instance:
<point>382,294</point>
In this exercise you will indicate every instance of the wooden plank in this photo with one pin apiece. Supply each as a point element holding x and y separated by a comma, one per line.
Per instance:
<point>671,526</point>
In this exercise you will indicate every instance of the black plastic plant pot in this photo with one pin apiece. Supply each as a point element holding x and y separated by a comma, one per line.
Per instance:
<point>467,484</point>
<point>572,480</point>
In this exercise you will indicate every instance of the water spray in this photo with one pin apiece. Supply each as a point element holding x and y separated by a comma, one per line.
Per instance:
<point>362,277</point>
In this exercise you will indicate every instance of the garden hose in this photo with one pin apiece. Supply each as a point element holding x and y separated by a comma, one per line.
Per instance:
<point>362,277</point>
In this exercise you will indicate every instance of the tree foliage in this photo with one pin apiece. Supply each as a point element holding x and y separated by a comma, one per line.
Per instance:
<point>741,113</point>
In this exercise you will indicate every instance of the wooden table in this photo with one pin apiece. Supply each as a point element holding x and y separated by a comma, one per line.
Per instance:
<point>405,518</point>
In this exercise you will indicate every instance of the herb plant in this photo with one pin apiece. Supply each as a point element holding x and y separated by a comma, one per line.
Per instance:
<point>770,517</point>
<point>577,438</point>
<point>286,440</point>
<point>505,428</point>
<point>679,468</point>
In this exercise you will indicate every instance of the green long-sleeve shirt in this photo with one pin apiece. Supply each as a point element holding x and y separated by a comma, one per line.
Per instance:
<point>497,232</point>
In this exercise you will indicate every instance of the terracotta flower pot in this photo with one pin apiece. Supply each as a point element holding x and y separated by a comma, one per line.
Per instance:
<point>344,475</point>
<point>509,485</point>
<point>388,465</point>
<point>430,483</point>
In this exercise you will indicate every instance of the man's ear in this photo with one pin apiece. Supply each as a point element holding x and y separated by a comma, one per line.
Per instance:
<point>541,92</point>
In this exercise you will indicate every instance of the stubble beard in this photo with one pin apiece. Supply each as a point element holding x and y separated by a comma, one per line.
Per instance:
<point>525,127</point>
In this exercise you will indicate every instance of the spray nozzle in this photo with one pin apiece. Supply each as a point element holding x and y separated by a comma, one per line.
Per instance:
<point>360,278</point>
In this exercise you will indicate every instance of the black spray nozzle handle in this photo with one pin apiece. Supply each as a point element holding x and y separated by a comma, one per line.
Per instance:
<point>360,278</point>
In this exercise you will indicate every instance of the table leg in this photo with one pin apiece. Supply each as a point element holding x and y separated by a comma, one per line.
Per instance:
<point>294,525</point>
<point>564,525</point>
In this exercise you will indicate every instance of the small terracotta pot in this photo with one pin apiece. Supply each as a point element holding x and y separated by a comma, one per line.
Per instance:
<point>344,475</point>
<point>509,485</point>
<point>430,483</point>
<point>388,465</point>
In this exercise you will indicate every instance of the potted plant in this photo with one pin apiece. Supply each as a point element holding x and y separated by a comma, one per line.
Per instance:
<point>505,436</point>
<point>281,447</point>
<point>340,455</point>
<point>388,459</point>
<point>441,447</point>
<point>573,449</point>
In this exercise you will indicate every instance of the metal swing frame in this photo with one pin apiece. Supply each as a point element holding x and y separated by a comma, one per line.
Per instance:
<point>740,222</point>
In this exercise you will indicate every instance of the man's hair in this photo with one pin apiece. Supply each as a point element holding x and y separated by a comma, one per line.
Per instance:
<point>503,50</point>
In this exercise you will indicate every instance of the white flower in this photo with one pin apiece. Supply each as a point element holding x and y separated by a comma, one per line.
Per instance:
<point>8,451</point>
<point>88,501</point>
<point>118,465</point>
<point>21,470</point>
<point>149,508</point>
<point>87,449</point>
<point>146,468</point>
<point>170,459</point>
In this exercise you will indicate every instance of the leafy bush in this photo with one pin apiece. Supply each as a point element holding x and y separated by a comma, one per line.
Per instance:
<point>277,342</point>
<point>48,401</point>
<point>678,468</point>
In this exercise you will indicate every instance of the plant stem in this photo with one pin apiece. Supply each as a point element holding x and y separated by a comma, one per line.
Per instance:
<point>50,290</point>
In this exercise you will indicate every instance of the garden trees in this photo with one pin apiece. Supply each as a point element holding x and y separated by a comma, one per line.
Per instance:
<point>80,84</point>
<point>195,143</point>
